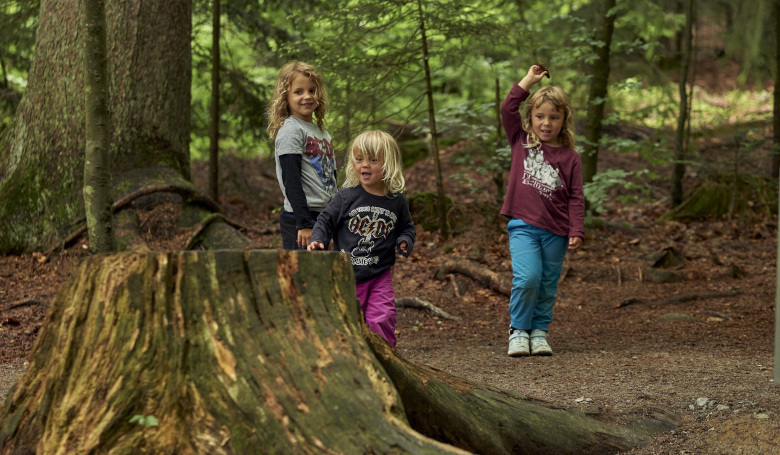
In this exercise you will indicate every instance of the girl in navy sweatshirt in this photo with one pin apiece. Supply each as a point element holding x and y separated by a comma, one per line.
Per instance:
<point>369,219</point>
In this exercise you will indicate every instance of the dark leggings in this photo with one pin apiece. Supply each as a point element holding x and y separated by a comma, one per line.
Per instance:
<point>290,230</point>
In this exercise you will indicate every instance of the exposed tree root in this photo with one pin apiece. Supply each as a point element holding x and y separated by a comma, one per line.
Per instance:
<point>189,193</point>
<point>680,298</point>
<point>416,302</point>
<point>487,277</point>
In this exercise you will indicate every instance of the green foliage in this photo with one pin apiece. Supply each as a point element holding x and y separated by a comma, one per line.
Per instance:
<point>18,22</point>
<point>147,421</point>
<point>369,52</point>
<point>597,191</point>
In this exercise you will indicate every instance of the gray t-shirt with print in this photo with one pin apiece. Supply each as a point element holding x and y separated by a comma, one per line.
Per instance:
<point>318,168</point>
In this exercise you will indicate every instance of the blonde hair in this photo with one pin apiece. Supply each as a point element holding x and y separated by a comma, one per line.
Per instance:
<point>558,98</point>
<point>278,110</point>
<point>373,144</point>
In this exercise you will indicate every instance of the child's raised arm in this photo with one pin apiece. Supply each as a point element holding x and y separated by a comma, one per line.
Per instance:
<point>534,75</point>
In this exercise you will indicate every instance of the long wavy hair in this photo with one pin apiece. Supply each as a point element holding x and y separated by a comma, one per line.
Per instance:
<point>278,110</point>
<point>372,144</point>
<point>558,98</point>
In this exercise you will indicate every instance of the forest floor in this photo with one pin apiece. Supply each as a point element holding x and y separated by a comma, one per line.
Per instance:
<point>698,351</point>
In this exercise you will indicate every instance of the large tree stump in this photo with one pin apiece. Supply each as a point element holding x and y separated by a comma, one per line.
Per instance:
<point>247,352</point>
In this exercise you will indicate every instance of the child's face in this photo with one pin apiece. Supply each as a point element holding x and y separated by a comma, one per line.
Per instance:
<point>547,122</point>
<point>302,97</point>
<point>369,172</point>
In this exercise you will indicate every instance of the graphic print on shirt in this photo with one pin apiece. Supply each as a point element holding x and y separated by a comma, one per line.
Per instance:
<point>320,154</point>
<point>540,174</point>
<point>369,223</point>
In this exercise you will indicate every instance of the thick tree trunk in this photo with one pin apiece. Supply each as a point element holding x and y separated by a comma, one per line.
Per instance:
<point>256,352</point>
<point>42,153</point>
<point>483,419</point>
<point>252,352</point>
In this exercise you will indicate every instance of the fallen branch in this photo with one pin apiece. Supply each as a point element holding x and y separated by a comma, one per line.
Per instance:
<point>483,275</point>
<point>680,298</point>
<point>24,303</point>
<point>689,297</point>
<point>416,302</point>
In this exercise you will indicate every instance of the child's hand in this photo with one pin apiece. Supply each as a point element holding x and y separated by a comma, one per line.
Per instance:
<point>403,246</point>
<point>538,71</point>
<point>304,236</point>
<point>534,75</point>
<point>316,246</point>
<point>575,242</point>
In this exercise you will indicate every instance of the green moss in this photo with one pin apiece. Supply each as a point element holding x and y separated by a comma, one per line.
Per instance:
<point>741,196</point>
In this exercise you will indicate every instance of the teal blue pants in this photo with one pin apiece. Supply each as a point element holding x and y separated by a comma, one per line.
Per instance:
<point>537,259</point>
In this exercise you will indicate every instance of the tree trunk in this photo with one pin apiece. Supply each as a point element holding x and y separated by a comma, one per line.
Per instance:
<point>253,352</point>
<point>42,152</point>
<point>486,420</point>
<point>680,142</point>
<point>598,91</point>
<point>97,176</point>
<point>444,229</point>
<point>775,169</point>
<point>214,126</point>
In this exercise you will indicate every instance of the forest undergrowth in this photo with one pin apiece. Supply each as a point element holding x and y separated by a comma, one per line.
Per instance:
<point>653,318</point>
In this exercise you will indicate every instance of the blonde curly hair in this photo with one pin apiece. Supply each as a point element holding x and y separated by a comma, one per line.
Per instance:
<point>558,98</point>
<point>377,144</point>
<point>278,110</point>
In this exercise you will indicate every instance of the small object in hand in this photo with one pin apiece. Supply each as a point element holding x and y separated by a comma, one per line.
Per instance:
<point>543,68</point>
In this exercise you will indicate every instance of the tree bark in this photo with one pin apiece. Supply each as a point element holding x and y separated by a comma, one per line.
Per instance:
<point>775,169</point>
<point>97,176</point>
<point>42,152</point>
<point>482,419</point>
<point>598,90</point>
<point>254,352</point>
<point>257,352</point>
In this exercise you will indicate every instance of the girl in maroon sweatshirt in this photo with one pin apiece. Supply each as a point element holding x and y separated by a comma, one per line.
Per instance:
<point>545,204</point>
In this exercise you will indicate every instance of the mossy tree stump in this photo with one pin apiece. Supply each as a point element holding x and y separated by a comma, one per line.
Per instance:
<point>237,352</point>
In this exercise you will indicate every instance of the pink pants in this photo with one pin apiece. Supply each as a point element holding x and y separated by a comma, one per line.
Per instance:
<point>377,300</point>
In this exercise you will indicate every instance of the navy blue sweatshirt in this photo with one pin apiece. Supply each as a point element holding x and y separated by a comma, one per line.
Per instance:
<point>368,227</point>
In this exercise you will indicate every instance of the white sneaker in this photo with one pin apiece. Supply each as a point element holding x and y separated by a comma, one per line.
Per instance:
<point>518,343</point>
<point>539,344</point>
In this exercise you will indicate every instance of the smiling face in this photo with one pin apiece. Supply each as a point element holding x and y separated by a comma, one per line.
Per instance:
<point>302,97</point>
<point>546,122</point>
<point>369,172</point>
